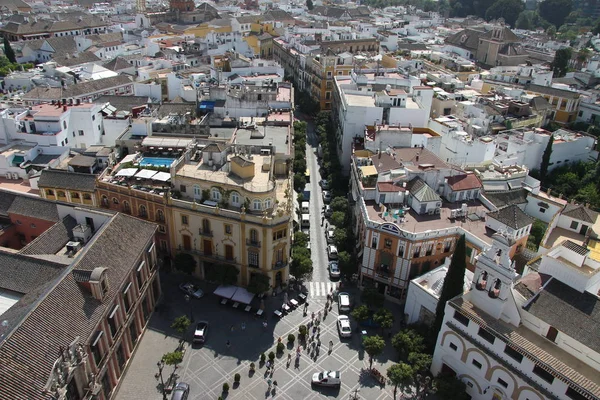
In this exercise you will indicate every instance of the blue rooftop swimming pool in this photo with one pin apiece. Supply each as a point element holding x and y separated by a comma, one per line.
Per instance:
<point>156,162</point>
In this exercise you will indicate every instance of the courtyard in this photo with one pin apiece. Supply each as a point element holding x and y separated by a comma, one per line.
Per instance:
<point>231,347</point>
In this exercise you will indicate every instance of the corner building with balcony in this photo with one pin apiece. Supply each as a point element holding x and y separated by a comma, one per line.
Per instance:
<point>234,207</point>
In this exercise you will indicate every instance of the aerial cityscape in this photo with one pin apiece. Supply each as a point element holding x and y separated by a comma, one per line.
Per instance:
<point>299,200</point>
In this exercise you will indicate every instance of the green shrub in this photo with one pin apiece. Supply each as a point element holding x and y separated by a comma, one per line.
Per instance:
<point>263,358</point>
<point>225,387</point>
<point>237,378</point>
<point>271,356</point>
<point>280,347</point>
<point>291,338</point>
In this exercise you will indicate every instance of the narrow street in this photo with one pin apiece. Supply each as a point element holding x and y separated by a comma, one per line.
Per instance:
<point>320,284</point>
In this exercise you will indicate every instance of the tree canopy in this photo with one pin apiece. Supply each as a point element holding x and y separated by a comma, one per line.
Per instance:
<point>555,11</point>
<point>259,283</point>
<point>408,341</point>
<point>301,266</point>
<point>400,374</point>
<point>546,160</point>
<point>453,282</point>
<point>185,263</point>
<point>372,298</point>
<point>507,9</point>
<point>373,346</point>
<point>8,51</point>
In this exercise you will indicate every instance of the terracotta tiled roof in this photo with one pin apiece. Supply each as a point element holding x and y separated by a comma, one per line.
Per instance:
<point>464,182</point>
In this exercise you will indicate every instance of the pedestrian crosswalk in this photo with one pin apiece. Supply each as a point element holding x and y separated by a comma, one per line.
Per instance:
<point>321,289</point>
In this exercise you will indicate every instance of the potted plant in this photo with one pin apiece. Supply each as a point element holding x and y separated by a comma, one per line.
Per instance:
<point>252,368</point>
<point>225,387</point>
<point>236,379</point>
<point>263,358</point>
<point>280,348</point>
<point>291,338</point>
<point>302,331</point>
<point>271,356</point>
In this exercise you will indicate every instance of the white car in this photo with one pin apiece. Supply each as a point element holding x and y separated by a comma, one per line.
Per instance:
<point>329,233</point>
<point>191,290</point>
<point>327,211</point>
<point>200,332</point>
<point>344,326</point>
<point>332,252</point>
<point>334,269</point>
<point>327,378</point>
<point>326,196</point>
<point>324,184</point>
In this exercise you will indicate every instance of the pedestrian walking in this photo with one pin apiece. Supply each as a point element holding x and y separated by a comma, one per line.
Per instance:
<point>319,316</point>
<point>232,328</point>
<point>265,324</point>
<point>243,326</point>
<point>228,344</point>
<point>269,383</point>
<point>322,220</point>
<point>298,351</point>
<point>289,358</point>
<point>330,346</point>
<point>312,316</point>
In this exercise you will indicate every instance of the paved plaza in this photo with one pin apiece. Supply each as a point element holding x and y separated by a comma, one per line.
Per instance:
<point>206,368</point>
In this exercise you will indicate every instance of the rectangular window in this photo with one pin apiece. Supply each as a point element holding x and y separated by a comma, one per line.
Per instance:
<point>401,251</point>
<point>388,243</point>
<point>184,219</point>
<point>95,346</point>
<point>486,335</point>
<point>228,229</point>
<point>182,188</point>
<point>477,364</point>
<point>512,353</point>
<point>417,252</point>
<point>542,210</point>
<point>542,373</point>
<point>80,132</point>
<point>461,318</point>
<point>502,383</point>
<point>574,224</point>
<point>126,301</point>
<point>453,346</point>
<point>374,242</point>
<point>139,275</point>
<point>253,259</point>
<point>112,321</point>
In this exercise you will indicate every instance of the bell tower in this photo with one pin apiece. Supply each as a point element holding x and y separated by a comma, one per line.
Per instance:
<point>494,279</point>
<point>182,5</point>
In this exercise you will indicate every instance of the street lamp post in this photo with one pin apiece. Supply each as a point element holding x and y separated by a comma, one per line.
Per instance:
<point>187,300</point>
<point>161,365</point>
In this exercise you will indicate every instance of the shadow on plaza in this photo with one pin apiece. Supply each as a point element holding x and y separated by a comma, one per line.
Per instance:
<point>232,332</point>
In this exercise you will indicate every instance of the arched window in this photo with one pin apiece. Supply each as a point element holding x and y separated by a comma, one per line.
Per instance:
<point>256,205</point>
<point>105,201</point>
<point>115,201</point>
<point>494,291</point>
<point>215,194</point>
<point>126,207</point>
<point>160,215</point>
<point>482,281</point>
<point>143,211</point>
<point>267,204</point>
<point>197,192</point>
<point>235,199</point>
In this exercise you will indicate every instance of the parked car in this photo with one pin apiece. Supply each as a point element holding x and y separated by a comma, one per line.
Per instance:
<point>343,302</point>
<point>332,252</point>
<point>181,391</point>
<point>344,326</point>
<point>329,233</point>
<point>306,231</point>
<point>201,332</point>
<point>191,289</point>
<point>334,269</point>
<point>324,183</point>
<point>327,378</point>
<point>328,212</point>
<point>326,196</point>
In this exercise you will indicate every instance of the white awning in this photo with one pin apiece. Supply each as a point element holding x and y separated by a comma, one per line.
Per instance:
<point>242,296</point>
<point>128,158</point>
<point>161,176</point>
<point>145,174</point>
<point>225,291</point>
<point>127,172</point>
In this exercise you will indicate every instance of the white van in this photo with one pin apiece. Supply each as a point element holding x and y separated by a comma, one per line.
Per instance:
<point>305,221</point>
<point>305,207</point>
<point>344,302</point>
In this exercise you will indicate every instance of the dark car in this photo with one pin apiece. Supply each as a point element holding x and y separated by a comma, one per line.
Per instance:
<point>181,391</point>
